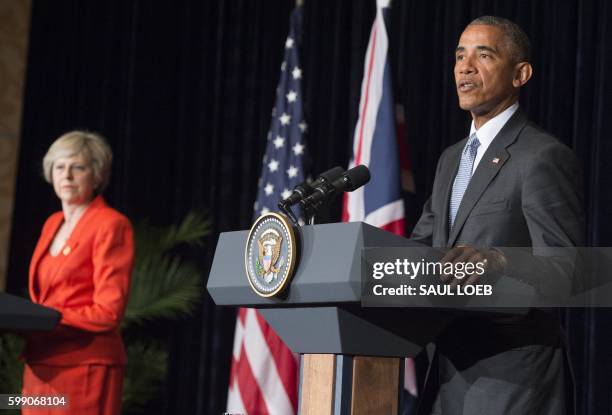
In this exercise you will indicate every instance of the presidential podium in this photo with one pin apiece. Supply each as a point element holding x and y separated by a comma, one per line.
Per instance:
<point>351,355</point>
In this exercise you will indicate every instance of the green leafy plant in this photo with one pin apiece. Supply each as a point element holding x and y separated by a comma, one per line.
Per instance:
<point>165,287</point>
<point>144,375</point>
<point>164,284</point>
<point>11,367</point>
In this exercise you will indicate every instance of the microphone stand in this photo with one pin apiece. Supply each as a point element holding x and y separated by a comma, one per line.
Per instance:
<point>286,209</point>
<point>309,214</point>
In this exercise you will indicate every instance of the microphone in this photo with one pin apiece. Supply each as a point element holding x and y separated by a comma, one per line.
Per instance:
<point>304,189</point>
<point>351,180</point>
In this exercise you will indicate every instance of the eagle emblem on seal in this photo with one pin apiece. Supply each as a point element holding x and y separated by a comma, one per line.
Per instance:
<point>270,254</point>
<point>268,264</point>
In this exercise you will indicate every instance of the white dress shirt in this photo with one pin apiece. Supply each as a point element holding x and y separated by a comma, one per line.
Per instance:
<point>487,132</point>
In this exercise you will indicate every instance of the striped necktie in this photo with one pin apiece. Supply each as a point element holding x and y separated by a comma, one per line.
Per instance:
<point>464,174</point>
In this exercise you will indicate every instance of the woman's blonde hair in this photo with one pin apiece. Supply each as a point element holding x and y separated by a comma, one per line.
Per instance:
<point>91,145</point>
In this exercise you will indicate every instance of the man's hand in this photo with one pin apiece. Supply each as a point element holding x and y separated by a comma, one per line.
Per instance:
<point>493,260</point>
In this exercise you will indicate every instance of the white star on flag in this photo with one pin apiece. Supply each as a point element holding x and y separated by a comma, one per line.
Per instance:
<point>291,96</point>
<point>296,73</point>
<point>292,171</point>
<point>273,165</point>
<point>285,119</point>
<point>289,43</point>
<point>269,189</point>
<point>286,193</point>
<point>303,126</point>
<point>279,142</point>
<point>298,149</point>
<point>265,210</point>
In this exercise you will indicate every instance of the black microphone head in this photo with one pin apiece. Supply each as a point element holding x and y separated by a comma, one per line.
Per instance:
<point>304,189</point>
<point>330,175</point>
<point>356,177</point>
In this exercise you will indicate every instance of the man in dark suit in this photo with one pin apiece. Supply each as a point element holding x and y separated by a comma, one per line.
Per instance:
<point>509,184</point>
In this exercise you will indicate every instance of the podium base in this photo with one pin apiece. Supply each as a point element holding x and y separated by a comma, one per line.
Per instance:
<point>356,385</point>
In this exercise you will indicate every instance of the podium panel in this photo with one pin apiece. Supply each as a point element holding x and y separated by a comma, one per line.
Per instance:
<point>354,331</point>
<point>328,271</point>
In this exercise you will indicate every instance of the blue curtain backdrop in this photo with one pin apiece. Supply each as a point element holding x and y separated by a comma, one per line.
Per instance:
<point>184,90</point>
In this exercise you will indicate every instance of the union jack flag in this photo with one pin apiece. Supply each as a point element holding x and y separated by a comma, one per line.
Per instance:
<point>379,202</point>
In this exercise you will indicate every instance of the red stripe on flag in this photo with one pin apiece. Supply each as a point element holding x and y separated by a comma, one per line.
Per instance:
<point>283,357</point>
<point>364,109</point>
<point>233,371</point>
<point>345,214</point>
<point>248,387</point>
<point>235,363</point>
<point>242,315</point>
<point>396,227</point>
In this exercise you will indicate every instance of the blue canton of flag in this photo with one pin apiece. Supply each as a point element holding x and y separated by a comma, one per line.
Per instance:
<point>283,161</point>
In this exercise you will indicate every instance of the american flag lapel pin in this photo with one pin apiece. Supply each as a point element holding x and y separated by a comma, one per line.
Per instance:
<point>495,160</point>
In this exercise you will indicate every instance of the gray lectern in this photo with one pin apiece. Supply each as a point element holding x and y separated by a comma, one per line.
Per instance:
<point>350,354</point>
<point>19,314</point>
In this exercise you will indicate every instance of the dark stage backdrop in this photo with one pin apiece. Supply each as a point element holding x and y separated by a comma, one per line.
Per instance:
<point>184,91</point>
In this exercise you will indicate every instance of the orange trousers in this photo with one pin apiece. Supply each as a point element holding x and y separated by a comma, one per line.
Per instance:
<point>90,389</point>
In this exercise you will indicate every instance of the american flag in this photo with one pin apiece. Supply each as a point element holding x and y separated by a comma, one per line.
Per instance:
<point>283,161</point>
<point>378,203</point>
<point>264,373</point>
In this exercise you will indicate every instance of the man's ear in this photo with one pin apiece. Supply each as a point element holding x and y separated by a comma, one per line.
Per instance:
<point>522,74</point>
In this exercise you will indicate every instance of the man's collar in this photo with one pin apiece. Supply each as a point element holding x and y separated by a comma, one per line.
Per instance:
<point>487,132</point>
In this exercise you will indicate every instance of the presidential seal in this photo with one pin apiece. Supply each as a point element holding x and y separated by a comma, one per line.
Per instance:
<point>270,254</point>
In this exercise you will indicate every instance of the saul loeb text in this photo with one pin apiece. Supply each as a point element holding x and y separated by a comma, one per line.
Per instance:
<point>425,290</point>
<point>403,277</point>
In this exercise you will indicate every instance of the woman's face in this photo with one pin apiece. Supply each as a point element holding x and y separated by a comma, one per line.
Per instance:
<point>73,180</point>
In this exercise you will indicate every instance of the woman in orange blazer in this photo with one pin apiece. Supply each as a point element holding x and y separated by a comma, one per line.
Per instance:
<point>81,267</point>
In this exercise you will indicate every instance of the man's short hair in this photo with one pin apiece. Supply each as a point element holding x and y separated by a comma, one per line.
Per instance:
<point>518,42</point>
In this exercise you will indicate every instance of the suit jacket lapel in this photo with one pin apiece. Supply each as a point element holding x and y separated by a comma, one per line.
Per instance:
<point>72,243</point>
<point>62,257</point>
<point>491,163</point>
<point>41,248</point>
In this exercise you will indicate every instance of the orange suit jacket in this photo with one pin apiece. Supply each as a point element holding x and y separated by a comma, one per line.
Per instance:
<point>89,287</point>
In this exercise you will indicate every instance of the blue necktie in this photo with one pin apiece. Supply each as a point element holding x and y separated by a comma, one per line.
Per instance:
<point>464,174</point>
